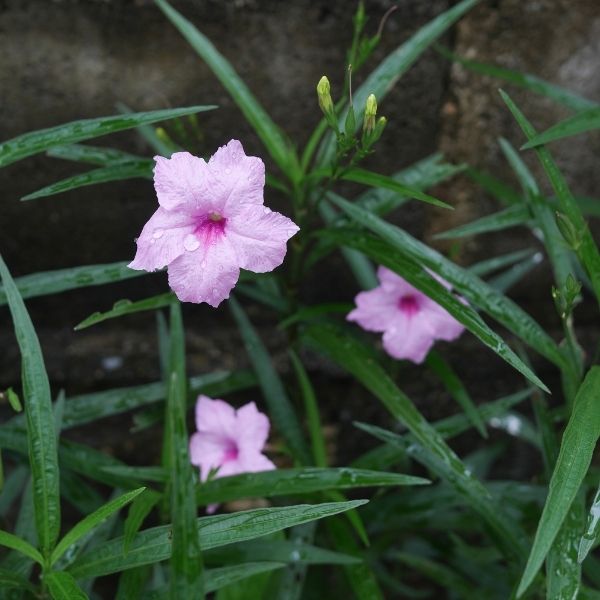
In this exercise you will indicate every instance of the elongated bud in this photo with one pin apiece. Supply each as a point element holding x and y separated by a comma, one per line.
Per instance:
<point>370,114</point>
<point>324,95</point>
<point>568,230</point>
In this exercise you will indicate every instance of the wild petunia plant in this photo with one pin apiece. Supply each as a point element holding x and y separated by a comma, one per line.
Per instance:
<point>457,531</point>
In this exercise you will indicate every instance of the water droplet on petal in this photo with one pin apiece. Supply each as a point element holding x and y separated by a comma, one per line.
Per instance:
<point>158,233</point>
<point>203,264</point>
<point>152,241</point>
<point>228,170</point>
<point>191,242</point>
<point>266,210</point>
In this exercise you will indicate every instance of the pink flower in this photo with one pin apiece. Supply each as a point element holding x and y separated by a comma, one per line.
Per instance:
<point>229,440</point>
<point>211,223</point>
<point>409,320</point>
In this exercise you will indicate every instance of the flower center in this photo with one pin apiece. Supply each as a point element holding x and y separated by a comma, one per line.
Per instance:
<point>209,228</point>
<point>408,304</point>
<point>231,451</point>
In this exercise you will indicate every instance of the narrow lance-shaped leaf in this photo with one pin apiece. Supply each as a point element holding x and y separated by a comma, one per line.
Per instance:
<point>62,586</point>
<point>513,216</point>
<point>186,560</point>
<point>153,545</point>
<point>127,307</point>
<point>587,120</point>
<point>592,528</point>
<point>280,407</point>
<point>576,450</point>
<point>119,172</point>
<point>41,437</point>
<point>291,482</point>
<point>377,180</point>
<point>90,522</point>
<point>498,306</point>
<point>587,250</point>
<point>524,80</point>
<point>8,540</point>
<point>254,113</point>
<point>37,141</point>
<point>61,280</point>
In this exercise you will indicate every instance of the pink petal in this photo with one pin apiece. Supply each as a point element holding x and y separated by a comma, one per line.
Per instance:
<point>411,342</point>
<point>215,416</point>
<point>205,274</point>
<point>442,325</point>
<point>206,452</point>
<point>161,240</point>
<point>376,310</point>
<point>392,282</point>
<point>238,179</point>
<point>182,181</point>
<point>254,462</point>
<point>259,237</point>
<point>252,428</point>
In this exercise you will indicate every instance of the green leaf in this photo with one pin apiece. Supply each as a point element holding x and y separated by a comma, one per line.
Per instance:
<point>223,576</point>
<point>489,265</point>
<point>14,400</point>
<point>588,251</point>
<point>592,529</point>
<point>280,408</point>
<point>309,313</point>
<point>90,522</point>
<point>383,78</point>
<point>563,571</point>
<point>357,360</point>
<point>577,447</point>
<point>10,580</point>
<point>421,175</point>
<point>544,215</point>
<point>387,255</point>
<point>37,141</point>
<point>153,545</point>
<point>278,550</point>
<point>505,280</point>
<point>186,560</point>
<point>586,120</point>
<point>311,409</point>
<point>456,389</point>
<point>127,307</point>
<point>61,280</point>
<point>118,172</point>
<point>63,586</point>
<point>41,437</point>
<point>383,181</point>
<point>524,80</point>
<point>132,583</point>
<point>138,511</point>
<point>501,308</point>
<point>255,114</point>
<point>513,216</point>
<point>14,542</point>
<point>93,155</point>
<point>291,482</point>
<point>498,189</point>
<point>359,264</point>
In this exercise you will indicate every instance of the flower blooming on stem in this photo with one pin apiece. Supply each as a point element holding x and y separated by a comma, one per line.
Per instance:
<point>410,320</point>
<point>211,223</point>
<point>229,440</point>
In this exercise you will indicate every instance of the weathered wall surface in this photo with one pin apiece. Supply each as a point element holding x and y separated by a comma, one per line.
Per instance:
<point>62,60</point>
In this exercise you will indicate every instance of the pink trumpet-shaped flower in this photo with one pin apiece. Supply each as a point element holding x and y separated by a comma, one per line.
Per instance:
<point>229,440</point>
<point>211,223</point>
<point>410,321</point>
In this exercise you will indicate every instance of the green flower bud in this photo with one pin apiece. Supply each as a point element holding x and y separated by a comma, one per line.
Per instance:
<point>370,114</point>
<point>568,230</point>
<point>324,95</point>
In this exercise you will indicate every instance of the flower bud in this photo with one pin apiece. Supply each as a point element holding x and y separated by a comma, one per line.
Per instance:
<point>324,95</point>
<point>568,230</point>
<point>370,114</point>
